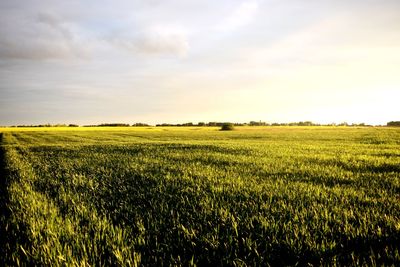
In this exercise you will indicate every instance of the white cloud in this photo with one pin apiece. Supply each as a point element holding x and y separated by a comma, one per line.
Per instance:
<point>56,24</point>
<point>253,55</point>
<point>39,37</point>
<point>240,16</point>
<point>159,40</point>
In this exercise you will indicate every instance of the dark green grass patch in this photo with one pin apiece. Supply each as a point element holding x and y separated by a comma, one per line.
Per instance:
<point>255,197</point>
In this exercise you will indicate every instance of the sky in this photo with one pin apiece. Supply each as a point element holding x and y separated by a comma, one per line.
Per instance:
<point>176,61</point>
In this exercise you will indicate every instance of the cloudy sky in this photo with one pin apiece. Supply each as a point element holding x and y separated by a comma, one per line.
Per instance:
<point>199,60</point>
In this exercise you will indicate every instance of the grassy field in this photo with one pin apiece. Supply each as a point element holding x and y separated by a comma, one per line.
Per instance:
<point>199,196</point>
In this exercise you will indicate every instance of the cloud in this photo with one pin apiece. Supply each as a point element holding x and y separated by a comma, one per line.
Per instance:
<point>160,40</point>
<point>56,24</point>
<point>337,40</point>
<point>38,37</point>
<point>240,16</point>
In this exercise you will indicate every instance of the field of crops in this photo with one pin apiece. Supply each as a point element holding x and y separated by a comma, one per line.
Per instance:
<point>199,196</point>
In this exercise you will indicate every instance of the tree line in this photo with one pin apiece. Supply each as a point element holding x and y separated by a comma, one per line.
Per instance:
<point>210,124</point>
<point>393,123</point>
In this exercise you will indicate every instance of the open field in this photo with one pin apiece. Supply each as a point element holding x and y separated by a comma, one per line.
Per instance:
<point>200,196</point>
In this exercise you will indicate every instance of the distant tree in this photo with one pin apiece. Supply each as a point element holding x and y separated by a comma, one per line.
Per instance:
<point>73,125</point>
<point>113,125</point>
<point>257,123</point>
<point>201,124</point>
<point>139,124</point>
<point>305,123</point>
<point>393,123</point>
<point>227,126</point>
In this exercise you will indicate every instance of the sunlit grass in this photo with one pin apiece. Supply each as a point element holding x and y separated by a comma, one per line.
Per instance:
<point>197,195</point>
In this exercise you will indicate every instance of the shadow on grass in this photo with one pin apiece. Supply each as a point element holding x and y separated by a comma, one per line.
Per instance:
<point>10,234</point>
<point>4,210</point>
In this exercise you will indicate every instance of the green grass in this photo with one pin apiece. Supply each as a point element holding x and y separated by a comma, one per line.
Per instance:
<point>200,196</point>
